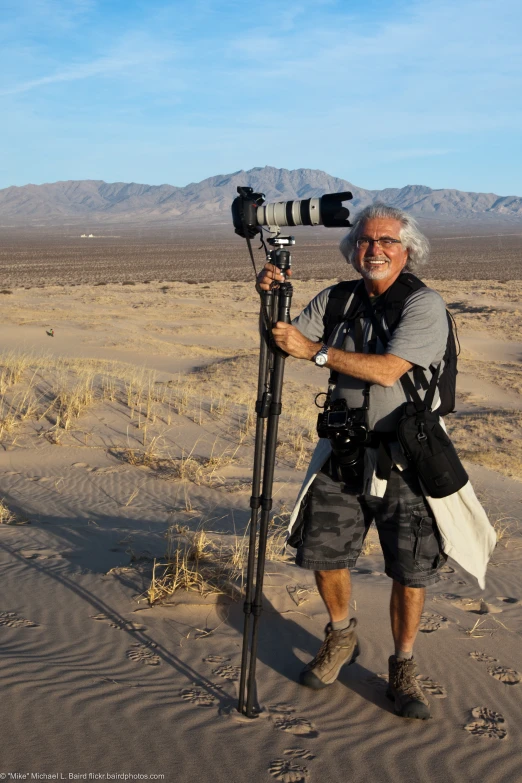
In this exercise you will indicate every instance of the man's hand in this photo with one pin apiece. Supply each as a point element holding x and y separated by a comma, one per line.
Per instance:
<point>270,276</point>
<point>293,342</point>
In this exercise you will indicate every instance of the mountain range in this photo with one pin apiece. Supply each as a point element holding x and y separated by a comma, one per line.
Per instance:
<point>209,201</point>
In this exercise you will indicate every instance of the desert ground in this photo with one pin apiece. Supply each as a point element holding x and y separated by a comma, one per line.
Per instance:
<point>126,429</point>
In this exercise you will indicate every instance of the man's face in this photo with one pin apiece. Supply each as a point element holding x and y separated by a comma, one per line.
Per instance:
<point>378,262</point>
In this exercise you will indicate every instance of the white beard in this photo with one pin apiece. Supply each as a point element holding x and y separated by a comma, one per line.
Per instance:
<point>374,274</point>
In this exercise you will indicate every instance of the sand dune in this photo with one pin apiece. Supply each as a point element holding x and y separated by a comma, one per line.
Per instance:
<point>130,430</point>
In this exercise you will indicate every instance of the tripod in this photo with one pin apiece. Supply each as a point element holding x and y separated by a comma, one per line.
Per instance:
<point>275,306</point>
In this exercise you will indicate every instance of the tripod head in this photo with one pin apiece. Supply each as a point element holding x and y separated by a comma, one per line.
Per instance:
<point>279,256</point>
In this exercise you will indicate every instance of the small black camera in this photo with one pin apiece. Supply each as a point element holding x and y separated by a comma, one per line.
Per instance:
<point>346,429</point>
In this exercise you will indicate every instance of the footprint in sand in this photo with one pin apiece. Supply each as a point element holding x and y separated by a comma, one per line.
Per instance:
<point>431,621</point>
<point>301,593</point>
<point>288,772</point>
<point>38,554</point>
<point>431,687</point>
<point>141,653</point>
<point>216,659</point>
<point>379,681</point>
<point>299,753</point>
<point>298,726</point>
<point>487,723</point>
<point>12,620</point>
<point>504,674</point>
<point>478,655</point>
<point>198,696</point>
<point>476,605</point>
<point>123,626</point>
<point>507,599</point>
<point>282,709</point>
<point>230,673</point>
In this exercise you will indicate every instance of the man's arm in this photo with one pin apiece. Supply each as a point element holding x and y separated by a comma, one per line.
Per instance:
<point>384,369</point>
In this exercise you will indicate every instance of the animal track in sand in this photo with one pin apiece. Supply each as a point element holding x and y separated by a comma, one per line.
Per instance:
<point>288,772</point>
<point>507,599</point>
<point>141,653</point>
<point>123,626</point>
<point>478,655</point>
<point>487,723</point>
<point>298,726</point>
<point>431,687</point>
<point>216,659</point>
<point>12,620</point>
<point>504,674</point>
<point>198,696</point>
<point>230,673</point>
<point>431,621</point>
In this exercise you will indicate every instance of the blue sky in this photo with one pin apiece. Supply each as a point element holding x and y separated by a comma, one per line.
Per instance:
<point>383,94</point>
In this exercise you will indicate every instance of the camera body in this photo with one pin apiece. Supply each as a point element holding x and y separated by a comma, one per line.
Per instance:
<point>346,429</point>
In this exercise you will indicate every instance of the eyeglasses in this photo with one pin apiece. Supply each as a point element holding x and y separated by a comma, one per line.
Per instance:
<point>383,242</point>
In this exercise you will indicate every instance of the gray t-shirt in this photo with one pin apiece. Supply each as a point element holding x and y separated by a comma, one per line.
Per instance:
<point>420,338</point>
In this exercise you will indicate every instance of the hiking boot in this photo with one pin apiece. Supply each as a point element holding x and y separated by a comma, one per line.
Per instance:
<point>404,689</point>
<point>338,648</point>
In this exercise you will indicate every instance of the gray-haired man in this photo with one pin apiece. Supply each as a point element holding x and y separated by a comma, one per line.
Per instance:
<point>338,508</point>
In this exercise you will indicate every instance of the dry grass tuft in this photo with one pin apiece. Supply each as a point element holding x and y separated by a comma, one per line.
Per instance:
<point>6,515</point>
<point>489,438</point>
<point>207,563</point>
<point>507,529</point>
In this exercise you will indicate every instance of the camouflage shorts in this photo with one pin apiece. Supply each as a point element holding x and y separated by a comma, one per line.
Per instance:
<point>335,518</point>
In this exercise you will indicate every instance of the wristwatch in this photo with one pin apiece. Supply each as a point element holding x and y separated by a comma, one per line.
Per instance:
<point>321,357</point>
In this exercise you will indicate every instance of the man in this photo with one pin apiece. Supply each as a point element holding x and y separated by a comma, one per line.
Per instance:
<point>341,504</point>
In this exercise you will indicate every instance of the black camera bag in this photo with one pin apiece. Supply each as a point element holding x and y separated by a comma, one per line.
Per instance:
<point>429,449</point>
<point>424,441</point>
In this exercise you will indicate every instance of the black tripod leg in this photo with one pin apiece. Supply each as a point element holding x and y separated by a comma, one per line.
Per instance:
<point>276,387</point>
<point>262,410</point>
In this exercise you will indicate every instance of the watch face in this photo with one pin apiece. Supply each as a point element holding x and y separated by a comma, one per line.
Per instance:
<point>321,359</point>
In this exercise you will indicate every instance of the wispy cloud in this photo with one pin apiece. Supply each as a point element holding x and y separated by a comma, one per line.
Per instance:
<point>104,66</point>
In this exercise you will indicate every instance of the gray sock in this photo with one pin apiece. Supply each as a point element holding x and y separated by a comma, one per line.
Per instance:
<point>401,655</point>
<point>340,625</point>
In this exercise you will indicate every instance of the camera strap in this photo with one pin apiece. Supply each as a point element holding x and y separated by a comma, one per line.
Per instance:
<point>406,381</point>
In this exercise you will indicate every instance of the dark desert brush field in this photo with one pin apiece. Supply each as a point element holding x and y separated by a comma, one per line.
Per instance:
<point>38,256</point>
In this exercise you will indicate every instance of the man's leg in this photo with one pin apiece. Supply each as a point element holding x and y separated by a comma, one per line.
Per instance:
<point>335,589</point>
<point>406,605</point>
<point>412,554</point>
<point>331,538</point>
<point>340,645</point>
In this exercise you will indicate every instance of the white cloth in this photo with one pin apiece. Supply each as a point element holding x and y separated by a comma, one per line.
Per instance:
<point>466,532</point>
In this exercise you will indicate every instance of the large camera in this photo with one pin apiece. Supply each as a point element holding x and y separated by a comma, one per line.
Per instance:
<point>346,430</point>
<point>248,212</point>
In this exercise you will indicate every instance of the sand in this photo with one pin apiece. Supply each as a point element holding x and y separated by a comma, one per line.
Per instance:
<point>98,682</point>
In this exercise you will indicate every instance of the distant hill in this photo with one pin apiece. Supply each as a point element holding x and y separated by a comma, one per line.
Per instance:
<point>209,201</point>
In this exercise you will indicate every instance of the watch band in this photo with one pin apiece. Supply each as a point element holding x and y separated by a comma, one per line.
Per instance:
<point>321,357</point>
